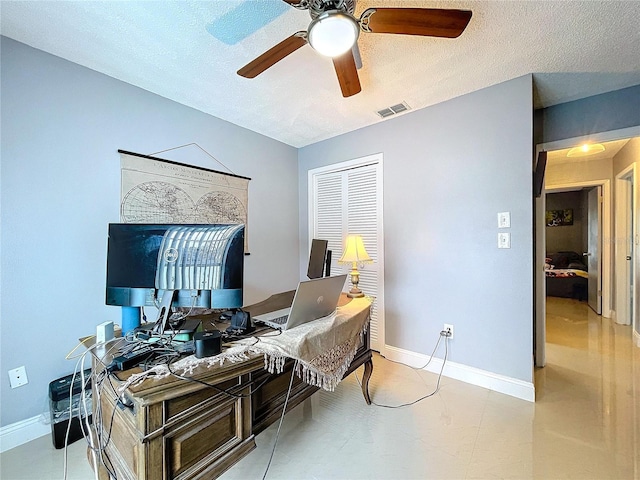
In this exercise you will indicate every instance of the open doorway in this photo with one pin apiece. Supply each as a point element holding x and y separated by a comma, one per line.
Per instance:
<point>573,244</point>
<point>566,175</point>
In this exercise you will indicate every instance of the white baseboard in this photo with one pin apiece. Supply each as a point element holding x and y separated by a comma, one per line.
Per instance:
<point>636,337</point>
<point>475,376</point>
<point>18,433</point>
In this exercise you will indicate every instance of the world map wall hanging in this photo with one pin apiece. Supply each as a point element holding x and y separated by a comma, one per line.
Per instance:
<point>155,190</point>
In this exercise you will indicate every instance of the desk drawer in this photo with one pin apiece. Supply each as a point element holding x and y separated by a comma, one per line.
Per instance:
<point>188,404</point>
<point>197,435</point>
<point>195,447</point>
<point>268,401</point>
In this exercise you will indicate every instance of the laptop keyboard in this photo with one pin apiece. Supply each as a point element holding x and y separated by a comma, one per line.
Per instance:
<point>280,320</point>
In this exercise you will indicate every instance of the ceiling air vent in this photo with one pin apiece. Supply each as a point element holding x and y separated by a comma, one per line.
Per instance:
<point>392,110</point>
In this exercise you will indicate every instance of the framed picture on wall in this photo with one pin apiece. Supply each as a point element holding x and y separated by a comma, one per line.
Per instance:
<point>559,218</point>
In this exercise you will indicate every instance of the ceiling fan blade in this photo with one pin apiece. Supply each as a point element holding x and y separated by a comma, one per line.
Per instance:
<point>274,55</point>
<point>345,66</point>
<point>431,22</point>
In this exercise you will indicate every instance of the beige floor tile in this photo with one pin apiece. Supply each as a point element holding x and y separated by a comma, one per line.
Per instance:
<point>584,425</point>
<point>39,460</point>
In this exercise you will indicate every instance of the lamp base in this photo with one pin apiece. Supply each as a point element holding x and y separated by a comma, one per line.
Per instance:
<point>355,292</point>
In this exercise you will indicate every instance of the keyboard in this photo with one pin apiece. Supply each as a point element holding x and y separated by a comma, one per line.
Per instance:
<point>277,319</point>
<point>280,320</point>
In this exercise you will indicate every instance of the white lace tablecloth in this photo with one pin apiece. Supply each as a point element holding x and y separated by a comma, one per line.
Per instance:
<point>324,349</point>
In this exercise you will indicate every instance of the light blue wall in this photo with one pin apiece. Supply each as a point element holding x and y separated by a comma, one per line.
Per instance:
<point>609,111</point>
<point>448,170</point>
<point>62,125</point>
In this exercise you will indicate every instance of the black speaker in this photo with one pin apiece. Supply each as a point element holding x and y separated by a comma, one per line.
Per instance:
<point>207,344</point>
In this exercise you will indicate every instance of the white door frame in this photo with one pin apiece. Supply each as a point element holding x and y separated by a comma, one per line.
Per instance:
<point>375,159</point>
<point>540,288</point>
<point>540,251</point>
<point>605,272</point>
<point>624,193</point>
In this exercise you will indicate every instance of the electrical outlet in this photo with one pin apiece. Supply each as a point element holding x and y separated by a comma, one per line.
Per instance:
<point>18,377</point>
<point>448,328</point>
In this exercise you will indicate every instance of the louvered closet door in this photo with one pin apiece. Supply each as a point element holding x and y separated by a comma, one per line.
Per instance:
<point>347,199</point>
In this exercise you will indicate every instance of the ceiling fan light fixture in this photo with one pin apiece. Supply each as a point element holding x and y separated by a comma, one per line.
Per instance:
<point>333,33</point>
<point>586,150</point>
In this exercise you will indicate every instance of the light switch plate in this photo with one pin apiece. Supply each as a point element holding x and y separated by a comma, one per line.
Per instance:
<point>504,220</point>
<point>504,240</point>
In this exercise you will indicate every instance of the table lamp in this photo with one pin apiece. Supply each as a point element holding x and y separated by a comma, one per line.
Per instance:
<point>354,253</point>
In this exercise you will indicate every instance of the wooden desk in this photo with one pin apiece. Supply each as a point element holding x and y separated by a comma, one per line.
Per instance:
<point>176,429</point>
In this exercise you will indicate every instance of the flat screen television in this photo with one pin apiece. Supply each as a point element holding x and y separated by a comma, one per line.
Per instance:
<point>197,265</point>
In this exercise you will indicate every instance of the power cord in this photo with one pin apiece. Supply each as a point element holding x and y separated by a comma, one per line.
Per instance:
<point>284,410</point>
<point>99,448</point>
<point>227,392</point>
<point>82,405</point>
<point>101,445</point>
<point>443,334</point>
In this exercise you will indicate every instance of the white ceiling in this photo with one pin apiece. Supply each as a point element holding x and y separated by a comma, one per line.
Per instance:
<point>574,48</point>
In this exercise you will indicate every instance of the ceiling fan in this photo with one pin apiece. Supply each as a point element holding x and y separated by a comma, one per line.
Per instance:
<point>334,31</point>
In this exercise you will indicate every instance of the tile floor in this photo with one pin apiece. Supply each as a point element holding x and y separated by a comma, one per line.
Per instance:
<point>585,423</point>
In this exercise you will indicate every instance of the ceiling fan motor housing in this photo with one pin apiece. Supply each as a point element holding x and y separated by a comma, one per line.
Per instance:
<point>333,33</point>
<point>318,7</point>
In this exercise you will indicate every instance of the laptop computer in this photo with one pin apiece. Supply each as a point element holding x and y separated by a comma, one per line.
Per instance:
<point>314,299</point>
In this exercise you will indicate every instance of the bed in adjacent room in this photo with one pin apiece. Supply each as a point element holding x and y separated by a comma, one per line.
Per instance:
<point>566,275</point>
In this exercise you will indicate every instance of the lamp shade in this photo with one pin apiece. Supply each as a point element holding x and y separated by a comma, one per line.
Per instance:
<point>333,33</point>
<point>354,251</point>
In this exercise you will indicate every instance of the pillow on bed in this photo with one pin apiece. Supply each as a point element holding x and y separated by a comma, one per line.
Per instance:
<point>563,259</point>
<point>572,257</point>
<point>559,260</point>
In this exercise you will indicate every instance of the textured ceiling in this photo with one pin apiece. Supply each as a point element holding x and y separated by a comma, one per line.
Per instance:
<point>190,51</point>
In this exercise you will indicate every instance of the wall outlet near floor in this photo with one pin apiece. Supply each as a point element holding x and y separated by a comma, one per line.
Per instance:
<point>448,328</point>
<point>18,377</point>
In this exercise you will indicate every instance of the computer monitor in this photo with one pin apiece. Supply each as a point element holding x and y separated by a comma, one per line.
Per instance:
<point>176,265</point>
<point>319,258</point>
